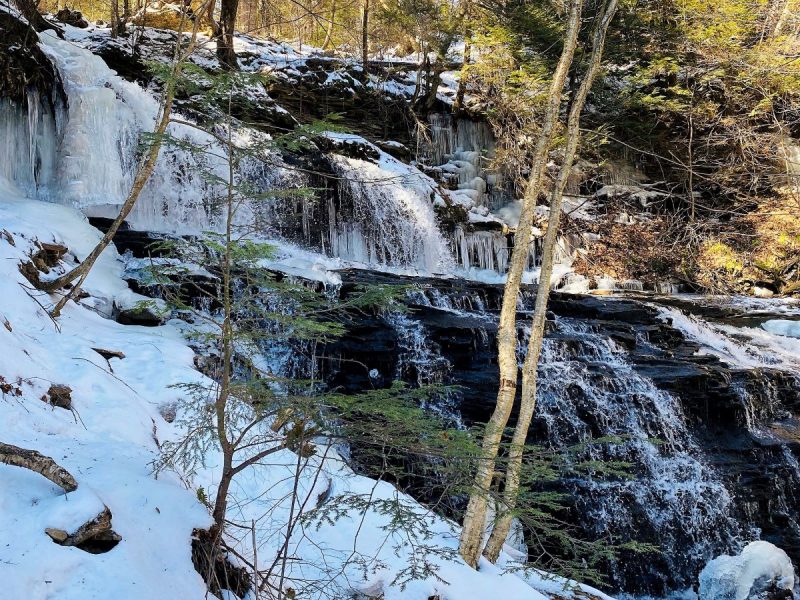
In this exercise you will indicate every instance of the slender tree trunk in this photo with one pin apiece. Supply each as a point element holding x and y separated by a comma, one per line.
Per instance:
<point>221,405</point>
<point>461,90</point>
<point>782,18</point>
<point>775,16</point>
<point>365,39</point>
<point>471,542</point>
<point>143,174</point>
<point>529,371</point>
<point>114,18</point>
<point>329,34</point>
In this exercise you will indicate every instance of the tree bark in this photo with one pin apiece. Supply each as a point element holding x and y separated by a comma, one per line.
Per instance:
<point>365,39</point>
<point>471,541</point>
<point>529,371</point>
<point>38,463</point>
<point>329,33</point>
<point>226,54</point>
<point>458,103</point>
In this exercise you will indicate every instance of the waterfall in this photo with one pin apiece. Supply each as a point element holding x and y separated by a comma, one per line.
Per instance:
<point>463,150</point>
<point>587,390</point>
<point>742,347</point>
<point>391,220</point>
<point>85,154</point>
<point>420,361</point>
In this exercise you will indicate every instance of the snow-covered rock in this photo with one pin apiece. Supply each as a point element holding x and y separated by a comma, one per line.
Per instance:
<point>782,327</point>
<point>761,572</point>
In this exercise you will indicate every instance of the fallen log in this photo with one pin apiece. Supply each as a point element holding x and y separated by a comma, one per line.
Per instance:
<point>38,463</point>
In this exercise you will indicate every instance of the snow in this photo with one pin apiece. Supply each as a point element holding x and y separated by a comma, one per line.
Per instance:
<point>760,565</point>
<point>107,444</point>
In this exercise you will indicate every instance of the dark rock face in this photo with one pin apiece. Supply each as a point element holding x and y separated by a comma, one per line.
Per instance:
<point>23,65</point>
<point>72,17</point>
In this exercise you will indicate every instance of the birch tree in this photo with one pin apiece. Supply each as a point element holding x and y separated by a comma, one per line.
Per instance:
<point>471,542</point>
<point>502,525</point>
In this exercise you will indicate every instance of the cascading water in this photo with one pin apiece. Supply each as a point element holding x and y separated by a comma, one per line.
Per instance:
<point>694,491</point>
<point>392,220</point>
<point>86,155</point>
<point>695,506</point>
<point>589,390</point>
<point>742,347</point>
<point>96,151</point>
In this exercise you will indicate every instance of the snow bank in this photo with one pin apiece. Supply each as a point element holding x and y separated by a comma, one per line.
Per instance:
<point>761,566</point>
<point>107,443</point>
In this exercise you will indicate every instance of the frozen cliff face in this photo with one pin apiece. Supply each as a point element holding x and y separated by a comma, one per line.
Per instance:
<point>762,571</point>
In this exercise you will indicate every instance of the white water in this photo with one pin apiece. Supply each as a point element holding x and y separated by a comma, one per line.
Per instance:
<point>86,156</point>
<point>97,150</point>
<point>588,389</point>
<point>745,347</point>
<point>420,360</point>
<point>392,221</point>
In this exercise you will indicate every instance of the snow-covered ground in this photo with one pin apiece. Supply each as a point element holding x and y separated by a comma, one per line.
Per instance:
<point>112,436</point>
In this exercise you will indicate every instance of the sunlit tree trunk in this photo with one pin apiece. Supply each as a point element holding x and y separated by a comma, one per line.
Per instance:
<point>475,517</point>
<point>329,33</point>
<point>365,39</point>
<point>458,103</point>
<point>529,370</point>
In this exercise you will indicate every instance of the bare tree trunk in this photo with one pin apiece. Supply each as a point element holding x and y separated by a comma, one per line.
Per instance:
<point>475,518</point>
<point>38,463</point>
<point>529,370</point>
<point>143,174</point>
<point>784,16</point>
<point>114,18</point>
<point>365,39</point>
<point>226,54</point>
<point>329,34</point>
<point>776,13</point>
<point>221,404</point>
<point>458,103</point>
<point>34,17</point>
